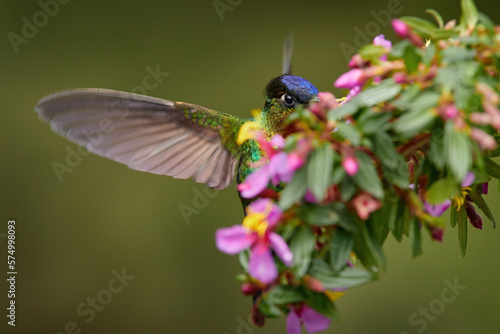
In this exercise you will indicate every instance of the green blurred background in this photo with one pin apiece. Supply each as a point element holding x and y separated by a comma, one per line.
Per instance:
<point>104,217</point>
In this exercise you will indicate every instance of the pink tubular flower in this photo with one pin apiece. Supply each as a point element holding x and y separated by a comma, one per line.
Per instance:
<point>380,40</point>
<point>404,31</point>
<point>350,79</point>
<point>485,141</point>
<point>449,111</point>
<point>365,204</point>
<point>400,28</point>
<point>256,234</point>
<point>303,314</point>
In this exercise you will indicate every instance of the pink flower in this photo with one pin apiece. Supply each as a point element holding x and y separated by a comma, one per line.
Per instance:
<point>449,111</point>
<point>327,102</point>
<point>485,141</point>
<point>280,167</point>
<point>303,314</point>
<point>350,79</point>
<point>380,40</point>
<point>404,31</point>
<point>400,28</point>
<point>256,234</point>
<point>349,161</point>
<point>365,204</point>
<point>438,209</point>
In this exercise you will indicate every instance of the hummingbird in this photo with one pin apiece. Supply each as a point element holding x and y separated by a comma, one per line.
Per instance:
<point>166,137</point>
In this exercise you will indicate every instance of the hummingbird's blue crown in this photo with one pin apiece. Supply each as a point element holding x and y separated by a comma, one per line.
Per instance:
<point>296,86</point>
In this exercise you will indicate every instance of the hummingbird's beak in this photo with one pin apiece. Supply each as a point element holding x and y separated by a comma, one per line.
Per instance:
<point>314,99</point>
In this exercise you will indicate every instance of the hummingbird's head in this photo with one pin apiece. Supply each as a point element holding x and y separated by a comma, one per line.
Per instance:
<point>283,95</point>
<point>290,90</point>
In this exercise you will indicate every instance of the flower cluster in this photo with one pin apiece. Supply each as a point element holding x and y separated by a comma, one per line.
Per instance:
<point>414,138</point>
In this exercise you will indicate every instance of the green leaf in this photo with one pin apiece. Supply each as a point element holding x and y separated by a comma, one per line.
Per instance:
<point>243,258</point>
<point>349,132</point>
<point>372,52</point>
<point>441,190</point>
<point>399,176</point>
<point>421,26</point>
<point>368,249</point>
<point>385,91</point>
<point>411,58</point>
<point>347,278</point>
<point>269,309</point>
<point>428,53</point>
<point>481,203</point>
<point>436,151</point>
<point>325,215</point>
<point>384,149</point>
<point>486,21</point>
<point>396,221</point>
<point>284,295</point>
<point>492,169</point>
<point>340,249</point>
<point>436,16</point>
<point>414,122</point>
<point>415,237</point>
<point>372,122</point>
<point>302,246</point>
<point>462,232</point>
<point>321,303</point>
<point>453,217</point>
<point>469,13</point>
<point>294,190</point>
<point>367,177</point>
<point>318,215</point>
<point>458,149</point>
<point>319,170</point>
<point>457,54</point>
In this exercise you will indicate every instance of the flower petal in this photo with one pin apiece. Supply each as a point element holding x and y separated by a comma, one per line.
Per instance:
<point>350,79</point>
<point>234,239</point>
<point>292,322</point>
<point>438,209</point>
<point>314,321</point>
<point>255,183</point>
<point>261,264</point>
<point>468,179</point>
<point>281,248</point>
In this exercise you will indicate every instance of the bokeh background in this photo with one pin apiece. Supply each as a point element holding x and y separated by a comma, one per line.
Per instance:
<point>102,217</point>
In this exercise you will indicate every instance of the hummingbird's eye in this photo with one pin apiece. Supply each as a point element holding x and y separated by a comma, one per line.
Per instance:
<point>288,100</point>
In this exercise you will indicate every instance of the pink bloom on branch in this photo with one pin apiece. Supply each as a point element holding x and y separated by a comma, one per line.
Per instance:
<point>311,319</point>
<point>256,234</point>
<point>400,28</point>
<point>438,209</point>
<point>404,31</point>
<point>350,79</point>
<point>485,141</point>
<point>449,111</point>
<point>365,204</point>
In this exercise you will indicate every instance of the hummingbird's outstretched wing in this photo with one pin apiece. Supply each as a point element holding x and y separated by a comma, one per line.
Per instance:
<point>146,133</point>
